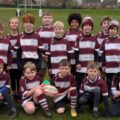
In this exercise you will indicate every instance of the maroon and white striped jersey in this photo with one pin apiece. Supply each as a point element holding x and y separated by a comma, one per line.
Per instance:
<point>26,85</point>
<point>100,38</point>
<point>29,44</point>
<point>58,50</point>
<point>86,45</point>
<point>46,34</point>
<point>62,84</point>
<point>4,79</point>
<point>13,41</point>
<point>88,85</point>
<point>71,36</point>
<point>110,51</point>
<point>5,50</point>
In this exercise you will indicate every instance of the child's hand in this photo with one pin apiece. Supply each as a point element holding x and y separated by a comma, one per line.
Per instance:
<point>45,57</point>
<point>116,95</point>
<point>78,66</point>
<point>1,97</point>
<point>8,67</point>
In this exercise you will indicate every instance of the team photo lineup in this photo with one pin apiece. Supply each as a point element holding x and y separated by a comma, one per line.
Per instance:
<point>82,68</point>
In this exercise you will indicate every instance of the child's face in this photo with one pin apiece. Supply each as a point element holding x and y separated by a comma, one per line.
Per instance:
<point>47,20</point>
<point>113,32</point>
<point>87,29</point>
<point>105,25</point>
<point>14,24</point>
<point>64,70</point>
<point>28,26</point>
<point>74,24</point>
<point>1,68</point>
<point>92,73</point>
<point>30,74</point>
<point>59,32</point>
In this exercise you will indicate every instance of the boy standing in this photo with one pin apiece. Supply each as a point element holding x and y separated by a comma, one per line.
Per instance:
<point>85,50</point>
<point>65,83</point>
<point>46,34</point>
<point>111,53</point>
<point>91,88</point>
<point>74,21</point>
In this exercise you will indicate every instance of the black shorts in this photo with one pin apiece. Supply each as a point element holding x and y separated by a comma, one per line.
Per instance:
<point>62,102</point>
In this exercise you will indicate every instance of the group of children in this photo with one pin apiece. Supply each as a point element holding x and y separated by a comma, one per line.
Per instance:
<point>70,59</point>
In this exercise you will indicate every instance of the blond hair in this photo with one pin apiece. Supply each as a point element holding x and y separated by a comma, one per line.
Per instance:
<point>58,24</point>
<point>13,18</point>
<point>31,66</point>
<point>92,65</point>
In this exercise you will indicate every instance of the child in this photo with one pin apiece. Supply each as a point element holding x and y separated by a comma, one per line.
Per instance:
<point>103,34</point>
<point>29,45</point>
<point>65,83</point>
<point>31,93</point>
<point>4,90</point>
<point>116,95</point>
<point>91,88</point>
<point>13,37</point>
<point>59,48</point>
<point>110,53</point>
<point>46,34</point>
<point>85,50</point>
<point>74,21</point>
<point>5,48</point>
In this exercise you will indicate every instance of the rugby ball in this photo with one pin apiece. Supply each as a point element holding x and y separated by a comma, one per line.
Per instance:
<point>50,90</point>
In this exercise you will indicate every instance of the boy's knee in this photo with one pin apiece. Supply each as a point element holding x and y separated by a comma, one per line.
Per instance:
<point>60,110</point>
<point>97,90</point>
<point>30,110</point>
<point>82,100</point>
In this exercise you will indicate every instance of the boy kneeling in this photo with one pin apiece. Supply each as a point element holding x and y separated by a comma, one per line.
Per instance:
<point>91,88</point>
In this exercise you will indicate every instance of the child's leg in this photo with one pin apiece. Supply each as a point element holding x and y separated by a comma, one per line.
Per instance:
<point>73,98</point>
<point>40,98</point>
<point>9,100</point>
<point>84,98</point>
<point>115,111</point>
<point>29,107</point>
<point>60,106</point>
<point>109,77</point>
<point>96,93</point>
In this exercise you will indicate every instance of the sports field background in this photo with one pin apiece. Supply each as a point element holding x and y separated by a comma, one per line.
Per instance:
<point>58,14</point>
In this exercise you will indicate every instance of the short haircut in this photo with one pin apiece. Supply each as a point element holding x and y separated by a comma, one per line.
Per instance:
<point>75,16</point>
<point>46,13</point>
<point>92,65</point>
<point>13,18</point>
<point>28,18</point>
<point>64,62</point>
<point>104,19</point>
<point>2,25</point>
<point>30,65</point>
<point>58,24</point>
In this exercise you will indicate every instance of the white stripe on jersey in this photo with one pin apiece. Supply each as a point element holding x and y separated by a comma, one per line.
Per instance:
<point>72,61</point>
<point>100,40</point>
<point>55,71</point>
<point>46,34</point>
<point>112,46</point>
<point>86,44</point>
<point>82,70</point>
<point>71,37</point>
<point>60,47</point>
<point>4,46</point>
<point>86,57</point>
<point>29,42</point>
<point>112,70</point>
<point>62,84</point>
<point>4,58</point>
<point>113,58</point>
<point>30,54</point>
<point>14,66</point>
<point>57,59</point>
<point>13,42</point>
<point>32,84</point>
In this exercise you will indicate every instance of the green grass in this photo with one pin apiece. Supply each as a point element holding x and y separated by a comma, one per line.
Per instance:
<point>96,14</point>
